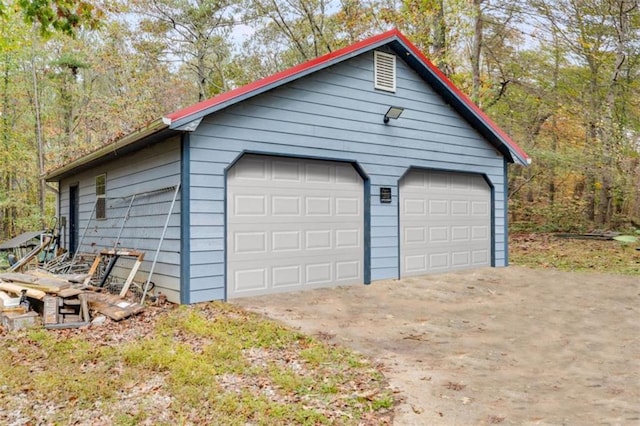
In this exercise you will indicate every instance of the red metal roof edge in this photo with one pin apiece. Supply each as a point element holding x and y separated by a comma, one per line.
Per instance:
<point>282,75</point>
<point>464,98</point>
<point>321,60</point>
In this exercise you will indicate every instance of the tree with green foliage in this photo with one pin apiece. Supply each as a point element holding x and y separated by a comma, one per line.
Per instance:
<point>599,40</point>
<point>195,35</point>
<point>64,16</point>
<point>19,171</point>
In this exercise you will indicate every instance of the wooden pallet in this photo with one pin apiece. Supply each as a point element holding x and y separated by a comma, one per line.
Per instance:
<point>113,306</point>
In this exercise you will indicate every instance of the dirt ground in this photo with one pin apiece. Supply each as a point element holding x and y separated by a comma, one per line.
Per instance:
<point>492,346</point>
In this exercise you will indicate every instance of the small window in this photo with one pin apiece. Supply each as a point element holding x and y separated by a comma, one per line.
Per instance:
<point>384,74</point>
<point>101,201</point>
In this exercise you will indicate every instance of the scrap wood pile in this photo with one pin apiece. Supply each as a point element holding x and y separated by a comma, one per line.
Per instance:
<point>58,301</point>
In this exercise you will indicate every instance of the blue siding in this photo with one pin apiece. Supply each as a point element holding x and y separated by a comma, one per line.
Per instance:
<point>150,169</point>
<point>336,114</point>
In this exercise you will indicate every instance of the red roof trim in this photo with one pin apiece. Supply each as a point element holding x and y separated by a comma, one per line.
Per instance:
<point>282,75</point>
<point>317,62</point>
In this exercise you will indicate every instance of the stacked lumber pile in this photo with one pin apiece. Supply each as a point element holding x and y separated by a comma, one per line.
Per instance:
<point>63,301</point>
<point>55,297</point>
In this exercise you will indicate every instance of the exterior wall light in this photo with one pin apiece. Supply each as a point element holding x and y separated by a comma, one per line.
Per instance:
<point>394,112</point>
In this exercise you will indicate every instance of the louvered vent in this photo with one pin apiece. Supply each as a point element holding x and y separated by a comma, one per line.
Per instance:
<point>384,71</point>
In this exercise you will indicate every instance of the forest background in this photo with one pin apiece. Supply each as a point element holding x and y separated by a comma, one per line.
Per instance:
<point>559,76</point>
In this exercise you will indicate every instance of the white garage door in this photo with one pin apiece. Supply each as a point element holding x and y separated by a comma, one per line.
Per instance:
<point>293,224</point>
<point>445,221</point>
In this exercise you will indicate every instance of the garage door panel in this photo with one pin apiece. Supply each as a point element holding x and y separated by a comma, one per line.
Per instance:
<point>480,257</point>
<point>480,233</point>
<point>282,241</point>
<point>317,173</point>
<point>250,242</point>
<point>347,238</point>
<point>254,279</point>
<point>293,224</point>
<point>460,182</point>
<point>438,261</point>
<point>438,234</point>
<point>318,206</point>
<point>453,230</point>
<point>415,235</point>
<point>283,205</point>
<point>285,171</point>
<point>249,205</point>
<point>460,208</point>
<point>319,273</point>
<point>436,180</point>
<point>318,240</point>
<point>414,207</point>
<point>460,233</point>
<point>438,207</point>
<point>461,259</point>
<point>286,276</point>
<point>347,207</point>
<point>416,263</point>
<point>480,208</point>
<point>346,271</point>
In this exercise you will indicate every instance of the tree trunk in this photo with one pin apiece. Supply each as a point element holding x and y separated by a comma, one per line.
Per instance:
<point>476,51</point>
<point>612,139</point>
<point>554,122</point>
<point>439,46</point>
<point>39,141</point>
<point>6,174</point>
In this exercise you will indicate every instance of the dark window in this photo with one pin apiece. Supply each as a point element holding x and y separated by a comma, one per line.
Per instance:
<point>74,217</point>
<point>101,202</point>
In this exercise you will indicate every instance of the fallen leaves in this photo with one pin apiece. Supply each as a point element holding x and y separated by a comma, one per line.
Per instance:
<point>172,364</point>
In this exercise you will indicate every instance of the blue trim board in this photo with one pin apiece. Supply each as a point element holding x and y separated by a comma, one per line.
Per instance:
<point>398,224</point>
<point>185,220</point>
<point>493,223</point>
<point>367,229</point>
<point>506,212</point>
<point>226,233</point>
<point>59,214</point>
<point>492,188</point>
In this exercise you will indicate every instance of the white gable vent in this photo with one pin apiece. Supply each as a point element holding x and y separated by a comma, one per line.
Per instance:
<point>384,74</point>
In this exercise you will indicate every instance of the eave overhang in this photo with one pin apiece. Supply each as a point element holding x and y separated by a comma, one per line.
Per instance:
<point>154,132</point>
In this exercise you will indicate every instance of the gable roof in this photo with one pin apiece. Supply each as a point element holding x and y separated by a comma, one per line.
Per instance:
<point>187,118</point>
<point>406,50</point>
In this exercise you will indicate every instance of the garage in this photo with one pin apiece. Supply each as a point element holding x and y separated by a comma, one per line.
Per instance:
<point>445,221</point>
<point>293,224</point>
<point>362,165</point>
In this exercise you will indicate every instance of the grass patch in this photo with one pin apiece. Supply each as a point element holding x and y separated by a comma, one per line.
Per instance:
<point>68,373</point>
<point>548,251</point>
<point>191,365</point>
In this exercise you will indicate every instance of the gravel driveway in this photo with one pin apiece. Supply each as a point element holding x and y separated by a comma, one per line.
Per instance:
<point>491,346</point>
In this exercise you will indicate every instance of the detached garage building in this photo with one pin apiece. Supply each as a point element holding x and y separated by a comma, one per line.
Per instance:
<point>361,165</point>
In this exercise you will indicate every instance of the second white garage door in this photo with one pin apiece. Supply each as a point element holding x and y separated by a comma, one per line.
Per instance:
<point>445,222</point>
<point>293,224</point>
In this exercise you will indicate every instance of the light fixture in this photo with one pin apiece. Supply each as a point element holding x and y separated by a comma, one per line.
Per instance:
<point>394,112</point>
